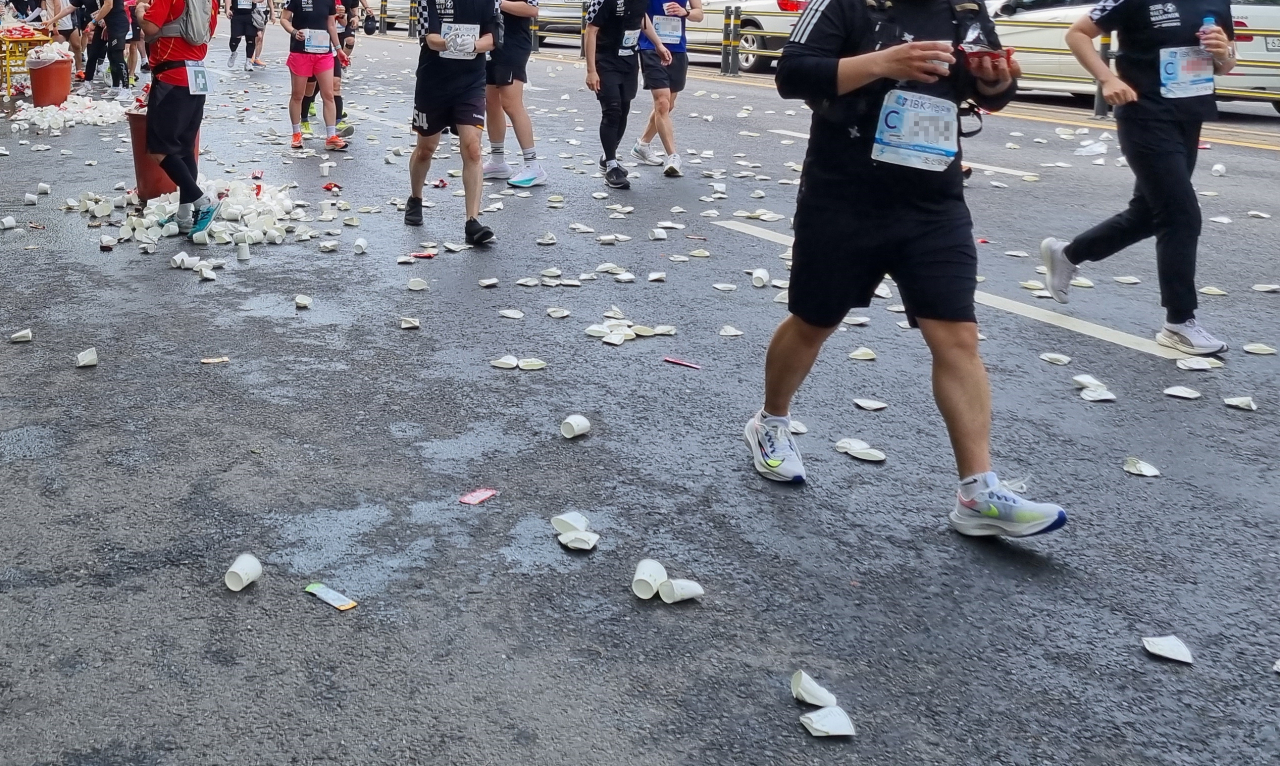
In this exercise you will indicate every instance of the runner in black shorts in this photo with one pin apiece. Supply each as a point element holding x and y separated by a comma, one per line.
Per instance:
<point>348,23</point>
<point>664,82</point>
<point>506,76</point>
<point>609,44</point>
<point>241,14</point>
<point>882,192</point>
<point>450,94</point>
<point>107,28</point>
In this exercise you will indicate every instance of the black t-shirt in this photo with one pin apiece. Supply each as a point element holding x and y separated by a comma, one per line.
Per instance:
<point>241,7</point>
<point>621,23</point>
<point>517,37</point>
<point>313,15</point>
<point>1145,28</point>
<point>117,21</point>
<point>839,171</point>
<point>440,77</point>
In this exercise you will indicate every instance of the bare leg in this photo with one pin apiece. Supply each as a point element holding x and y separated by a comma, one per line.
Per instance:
<point>497,121</point>
<point>298,86</point>
<point>961,389</point>
<point>324,83</point>
<point>472,170</point>
<point>420,163</point>
<point>792,352</point>
<point>512,97</point>
<point>660,121</point>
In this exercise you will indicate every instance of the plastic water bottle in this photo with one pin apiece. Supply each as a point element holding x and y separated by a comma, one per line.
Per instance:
<point>1205,28</point>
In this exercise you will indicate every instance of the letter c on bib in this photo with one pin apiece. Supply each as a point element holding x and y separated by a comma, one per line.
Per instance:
<point>889,119</point>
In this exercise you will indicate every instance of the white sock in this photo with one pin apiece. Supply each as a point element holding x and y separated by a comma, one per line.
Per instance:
<point>297,127</point>
<point>498,149</point>
<point>972,485</point>
<point>766,416</point>
<point>611,164</point>
<point>332,130</point>
<point>186,211</point>
<point>530,154</point>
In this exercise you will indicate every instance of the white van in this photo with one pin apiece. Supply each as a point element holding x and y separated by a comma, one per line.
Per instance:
<point>1061,72</point>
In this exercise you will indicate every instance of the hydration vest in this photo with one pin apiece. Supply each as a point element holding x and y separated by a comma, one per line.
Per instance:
<point>884,33</point>
<point>193,25</point>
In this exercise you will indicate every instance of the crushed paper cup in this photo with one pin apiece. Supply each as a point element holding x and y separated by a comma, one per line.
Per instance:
<point>409,323</point>
<point>490,282</point>
<point>1059,359</point>
<point>862,353</point>
<point>21,336</point>
<point>579,540</point>
<point>1182,392</point>
<point>1087,381</point>
<point>511,314</point>
<point>870,404</point>
<point>1097,395</point>
<point>672,591</point>
<point>1258,348</point>
<point>649,575</point>
<point>572,521</point>
<point>828,722</point>
<point>87,358</point>
<point>760,278</point>
<point>574,425</point>
<point>1128,280</point>
<point>302,301</point>
<point>244,570</point>
<point>730,331</point>
<point>805,689</point>
<point>505,363</point>
<point>1140,468</point>
<point>1195,363</point>
<point>1240,402</point>
<point>418,284</point>
<point>531,364</point>
<point>1169,647</point>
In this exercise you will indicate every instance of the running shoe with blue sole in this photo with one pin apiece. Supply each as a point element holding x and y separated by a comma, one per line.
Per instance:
<point>773,449</point>
<point>997,510</point>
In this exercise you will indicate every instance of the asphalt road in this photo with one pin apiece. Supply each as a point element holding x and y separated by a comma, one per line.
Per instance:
<point>335,446</point>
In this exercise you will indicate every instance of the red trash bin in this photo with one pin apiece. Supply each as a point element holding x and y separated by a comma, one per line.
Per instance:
<point>50,81</point>
<point>151,179</point>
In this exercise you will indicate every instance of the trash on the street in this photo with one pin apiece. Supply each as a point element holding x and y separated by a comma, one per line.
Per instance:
<point>511,313</point>
<point>860,449</point>
<point>417,284</point>
<point>409,323</point>
<point>1240,402</point>
<point>730,331</point>
<point>1198,363</point>
<point>330,596</point>
<point>1218,169</point>
<point>216,360</point>
<point>477,496</point>
<point>1128,280</point>
<point>579,540</point>
<point>531,364</point>
<point>1210,290</point>
<point>244,570</point>
<point>870,404</point>
<point>302,301</point>
<point>1258,348</point>
<point>1097,395</point>
<point>828,722</point>
<point>1169,647</point>
<point>571,521</point>
<point>805,689</point>
<point>648,576</point>
<point>1053,358</point>
<point>862,353</point>
<point>506,363</point>
<point>21,336</point>
<point>672,591</point>
<point>681,363</point>
<point>574,425</point>
<point>1182,392</point>
<point>87,358</point>
<point>1139,467</point>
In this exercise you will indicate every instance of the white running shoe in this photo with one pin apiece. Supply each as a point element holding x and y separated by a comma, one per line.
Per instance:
<point>1060,270</point>
<point>646,154</point>
<point>248,65</point>
<point>497,169</point>
<point>124,96</point>
<point>531,175</point>
<point>1190,338</point>
<point>995,509</point>
<point>231,59</point>
<point>773,448</point>
<point>672,168</point>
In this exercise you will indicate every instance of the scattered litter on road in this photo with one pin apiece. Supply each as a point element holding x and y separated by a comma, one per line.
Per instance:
<point>1169,647</point>
<point>21,336</point>
<point>216,360</point>
<point>1052,358</point>
<point>87,358</point>
<point>860,449</point>
<point>1240,402</point>
<point>672,591</point>
<point>828,722</point>
<point>805,689</point>
<point>1139,467</point>
<point>648,576</point>
<point>1182,392</point>
<point>244,570</point>
<point>1258,348</point>
<point>330,596</point>
<point>477,496</point>
<point>574,425</point>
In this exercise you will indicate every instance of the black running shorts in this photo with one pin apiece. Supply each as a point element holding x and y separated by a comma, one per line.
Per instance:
<point>659,77</point>
<point>432,118</point>
<point>182,113</point>
<point>242,26</point>
<point>839,258</point>
<point>619,77</point>
<point>505,69</point>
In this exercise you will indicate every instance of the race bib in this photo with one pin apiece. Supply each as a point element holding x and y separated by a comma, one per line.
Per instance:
<point>316,41</point>
<point>244,5</point>
<point>457,36</point>
<point>1186,72</point>
<point>670,29</point>
<point>198,82</point>
<point>917,131</point>
<point>629,40</point>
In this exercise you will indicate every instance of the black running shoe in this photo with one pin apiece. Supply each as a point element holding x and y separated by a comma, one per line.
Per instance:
<point>478,233</point>
<point>603,164</point>
<point>616,177</point>
<point>413,212</point>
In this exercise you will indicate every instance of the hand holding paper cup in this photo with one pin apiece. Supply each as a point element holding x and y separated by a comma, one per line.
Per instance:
<point>244,570</point>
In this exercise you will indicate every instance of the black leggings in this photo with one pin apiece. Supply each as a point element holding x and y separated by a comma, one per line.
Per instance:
<point>183,170</point>
<point>613,124</point>
<point>113,48</point>
<point>1162,154</point>
<point>242,26</point>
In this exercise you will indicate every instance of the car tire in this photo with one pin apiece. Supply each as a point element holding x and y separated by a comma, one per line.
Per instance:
<point>750,62</point>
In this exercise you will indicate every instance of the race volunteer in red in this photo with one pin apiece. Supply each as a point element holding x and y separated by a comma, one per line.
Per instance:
<point>175,106</point>
<point>1162,92</point>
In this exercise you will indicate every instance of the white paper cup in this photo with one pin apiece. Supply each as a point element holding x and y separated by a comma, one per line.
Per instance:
<point>200,237</point>
<point>672,591</point>
<point>30,199</point>
<point>242,251</point>
<point>649,575</point>
<point>8,222</point>
<point>574,425</point>
<point>1219,169</point>
<point>361,246</point>
<point>760,277</point>
<point>244,570</point>
<point>170,230</point>
<point>43,189</point>
<point>570,522</point>
<point>324,171</point>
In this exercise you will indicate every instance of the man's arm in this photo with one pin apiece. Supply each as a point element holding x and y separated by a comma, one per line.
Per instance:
<point>522,8</point>
<point>590,31</point>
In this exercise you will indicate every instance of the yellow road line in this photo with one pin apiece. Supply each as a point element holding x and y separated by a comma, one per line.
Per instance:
<point>1096,123</point>
<point>1005,304</point>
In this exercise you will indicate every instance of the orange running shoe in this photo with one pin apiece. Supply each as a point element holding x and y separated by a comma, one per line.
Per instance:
<point>335,144</point>
<point>297,141</point>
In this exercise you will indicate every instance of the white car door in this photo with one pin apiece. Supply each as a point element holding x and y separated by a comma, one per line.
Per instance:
<point>1038,64</point>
